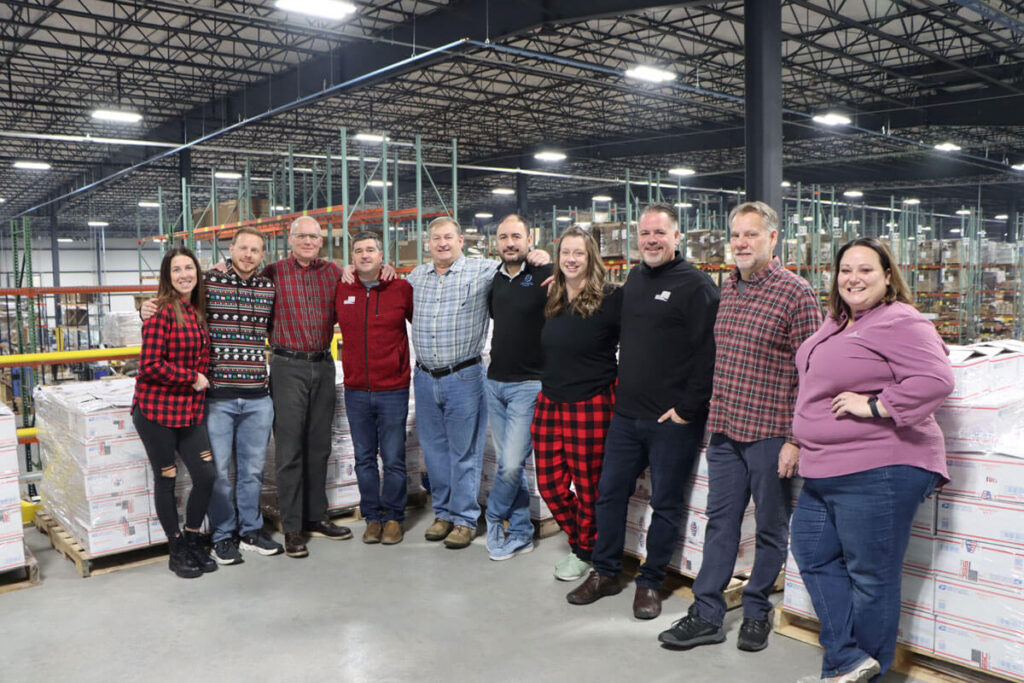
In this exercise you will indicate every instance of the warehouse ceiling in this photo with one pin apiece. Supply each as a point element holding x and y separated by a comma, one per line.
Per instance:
<point>515,76</point>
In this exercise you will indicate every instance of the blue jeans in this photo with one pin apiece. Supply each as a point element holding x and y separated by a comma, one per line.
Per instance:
<point>737,470</point>
<point>671,450</point>
<point>239,431</point>
<point>510,411</point>
<point>377,420</point>
<point>451,416</point>
<point>849,536</point>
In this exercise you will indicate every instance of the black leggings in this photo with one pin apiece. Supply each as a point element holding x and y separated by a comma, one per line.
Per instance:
<point>193,445</point>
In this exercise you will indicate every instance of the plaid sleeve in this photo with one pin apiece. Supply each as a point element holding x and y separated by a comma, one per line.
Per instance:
<point>806,318</point>
<point>158,344</point>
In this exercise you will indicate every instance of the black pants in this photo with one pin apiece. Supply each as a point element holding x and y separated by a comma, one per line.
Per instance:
<point>304,398</point>
<point>190,443</point>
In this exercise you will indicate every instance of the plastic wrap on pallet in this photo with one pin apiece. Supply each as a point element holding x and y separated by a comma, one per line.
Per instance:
<point>12,550</point>
<point>972,519</point>
<point>990,422</point>
<point>988,476</point>
<point>90,410</point>
<point>122,328</point>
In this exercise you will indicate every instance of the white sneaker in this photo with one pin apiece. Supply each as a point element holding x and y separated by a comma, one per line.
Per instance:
<point>571,568</point>
<point>865,670</point>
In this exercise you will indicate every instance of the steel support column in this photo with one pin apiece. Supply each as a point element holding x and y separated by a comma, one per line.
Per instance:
<point>762,33</point>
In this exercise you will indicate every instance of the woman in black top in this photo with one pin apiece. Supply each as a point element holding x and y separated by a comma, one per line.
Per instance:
<point>579,339</point>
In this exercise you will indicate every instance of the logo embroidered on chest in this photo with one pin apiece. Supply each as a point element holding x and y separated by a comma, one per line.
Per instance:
<point>349,300</point>
<point>527,281</point>
<point>663,296</point>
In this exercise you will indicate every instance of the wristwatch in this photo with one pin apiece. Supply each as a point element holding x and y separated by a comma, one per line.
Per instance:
<point>873,404</point>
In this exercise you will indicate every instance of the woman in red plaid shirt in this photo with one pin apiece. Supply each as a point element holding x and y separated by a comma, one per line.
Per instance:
<point>170,397</point>
<point>579,339</point>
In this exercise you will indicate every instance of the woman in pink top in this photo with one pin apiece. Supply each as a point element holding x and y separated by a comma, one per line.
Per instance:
<point>870,452</point>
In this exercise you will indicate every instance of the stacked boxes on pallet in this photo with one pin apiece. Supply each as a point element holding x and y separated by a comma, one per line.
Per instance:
<point>963,574</point>
<point>96,481</point>
<point>12,549</point>
<point>689,552</point>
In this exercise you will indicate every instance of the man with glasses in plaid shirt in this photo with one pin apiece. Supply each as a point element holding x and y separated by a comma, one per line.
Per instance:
<point>765,313</point>
<point>302,385</point>
<point>450,317</point>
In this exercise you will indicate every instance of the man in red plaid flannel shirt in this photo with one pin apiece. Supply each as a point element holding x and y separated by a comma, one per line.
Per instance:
<point>765,313</point>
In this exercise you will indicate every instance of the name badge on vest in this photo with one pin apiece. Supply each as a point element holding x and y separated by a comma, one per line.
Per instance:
<point>349,300</point>
<point>663,296</point>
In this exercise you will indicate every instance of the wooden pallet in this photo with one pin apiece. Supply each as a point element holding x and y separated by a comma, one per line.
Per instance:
<point>85,563</point>
<point>683,585</point>
<point>926,667</point>
<point>25,576</point>
<point>545,528</point>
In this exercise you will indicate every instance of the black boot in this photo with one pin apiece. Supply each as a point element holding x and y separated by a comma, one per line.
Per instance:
<point>199,555</point>
<point>180,561</point>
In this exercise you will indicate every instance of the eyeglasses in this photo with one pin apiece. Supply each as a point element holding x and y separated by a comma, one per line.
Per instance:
<point>307,235</point>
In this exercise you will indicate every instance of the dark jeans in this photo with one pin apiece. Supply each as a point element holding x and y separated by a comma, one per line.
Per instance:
<point>304,398</point>
<point>849,537</point>
<point>737,470</point>
<point>377,420</point>
<point>190,443</point>
<point>671,450</point>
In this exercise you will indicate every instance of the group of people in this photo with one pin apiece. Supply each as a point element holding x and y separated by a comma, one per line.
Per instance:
<point>600,382</point>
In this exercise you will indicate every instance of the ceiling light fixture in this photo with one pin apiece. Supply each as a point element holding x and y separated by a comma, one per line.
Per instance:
<point>563,219</point>
<point>785,183</point>
<point>32,165</point>
<point>1018,167</point>
<point>832,118</point>
<point>684,205</point>
<point>651,74</point>
<point>963,212</point>
<point>853,194</point>
<point>483,214</point>
<point>115,116</point>
<point>947,147</point>
<point>325,9</point>
<point>227,175</point>
<point>2,200</point>
<point>956,230</point>
<point>98,224</point>
<point>149,205</point>
<point>549,156</point>
<point>371,137</point>
<point>999,217</point>
<point>378,183</point>
<point>600,198</point>
<point>504,191</point>
<point>682,171</point>
<point>808,219</point>
<point>65,239</point>
<point>911,202</point>
<point>282,208</point>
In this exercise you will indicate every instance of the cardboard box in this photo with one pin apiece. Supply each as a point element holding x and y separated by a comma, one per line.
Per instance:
<point>986,476</point>
<point>924,518</point>
<point>917,591</point>
<point>968,519</point>
<point>920,552</point>
<point>112,509</point>
<point>929,281</point>
<point>917,630</point>
<point>10,522</point>
<point>1001,610</point>
<point>979,647</point>
<point>121,479</point>
<point>952,252</point>
<point>687,559</point>
<point>105,452</point>
<point>981,562</point>
<point>113,538</point>
<point>10,490</point>
<point>342,496</point>
<point>8,429</point>
<point>992,422</point>
<point>12,553</point>
<point>795,597</point>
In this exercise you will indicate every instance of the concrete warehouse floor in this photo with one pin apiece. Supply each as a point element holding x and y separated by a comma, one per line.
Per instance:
<point>352,612</point>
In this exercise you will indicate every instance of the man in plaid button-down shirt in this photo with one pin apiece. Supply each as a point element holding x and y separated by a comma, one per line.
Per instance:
<point>449,323</point>
<point>764,315</point>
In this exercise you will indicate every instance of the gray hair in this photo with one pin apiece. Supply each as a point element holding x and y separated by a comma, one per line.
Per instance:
<point>441,220</point>
<point>769,217</point>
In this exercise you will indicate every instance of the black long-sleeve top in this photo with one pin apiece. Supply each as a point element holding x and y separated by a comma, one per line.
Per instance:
<point>667,348</point>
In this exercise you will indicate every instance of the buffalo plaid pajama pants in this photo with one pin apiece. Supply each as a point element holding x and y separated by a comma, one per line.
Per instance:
<point>568,439</point>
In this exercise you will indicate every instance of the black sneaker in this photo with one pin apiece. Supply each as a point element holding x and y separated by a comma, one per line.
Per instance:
<point>260,542</point>
<point>754,634</point>
<point>226,552</point>
<point>691,631</point>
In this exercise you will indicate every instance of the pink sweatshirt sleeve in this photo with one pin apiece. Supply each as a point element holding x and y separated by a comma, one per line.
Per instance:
<point>920,365</point>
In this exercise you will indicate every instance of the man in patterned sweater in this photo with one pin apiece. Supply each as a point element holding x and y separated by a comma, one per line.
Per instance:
<point>240,412</point>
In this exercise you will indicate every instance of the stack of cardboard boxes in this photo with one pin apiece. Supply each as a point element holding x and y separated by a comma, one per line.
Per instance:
<point>12,549</point>
<point>963,574</point>
<point>122,328</point>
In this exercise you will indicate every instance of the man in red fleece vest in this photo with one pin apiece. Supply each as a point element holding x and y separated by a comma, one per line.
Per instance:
<point>375,358</point>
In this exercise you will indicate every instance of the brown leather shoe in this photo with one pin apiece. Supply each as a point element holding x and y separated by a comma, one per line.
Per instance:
<point>593,588</point>
<point>459,537</point>
<point>392,532</point>
<point>646,603</point>
<point>372,533</point>
<point>439,530</point>
<point>295,544</point>
<point>325,529</point>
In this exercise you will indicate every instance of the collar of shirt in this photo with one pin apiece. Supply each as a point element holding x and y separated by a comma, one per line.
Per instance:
<point>761,275</point>
<point>316,264</point>
<point>522,269</point>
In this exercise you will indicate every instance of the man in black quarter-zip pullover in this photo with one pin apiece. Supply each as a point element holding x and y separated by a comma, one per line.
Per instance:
<point>666,362</point>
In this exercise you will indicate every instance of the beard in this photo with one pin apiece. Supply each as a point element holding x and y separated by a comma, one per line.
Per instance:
<point>518,257</point>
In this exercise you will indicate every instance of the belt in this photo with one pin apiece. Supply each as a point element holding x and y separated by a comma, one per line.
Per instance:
<point>448,369</point>
<point>311,356</point>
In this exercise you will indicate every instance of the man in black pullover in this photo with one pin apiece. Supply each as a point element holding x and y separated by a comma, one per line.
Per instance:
<point>666,362</point>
